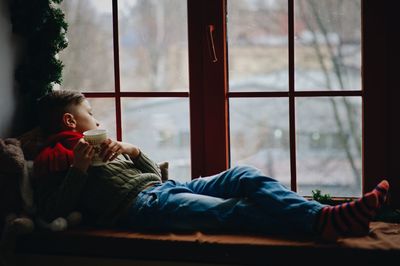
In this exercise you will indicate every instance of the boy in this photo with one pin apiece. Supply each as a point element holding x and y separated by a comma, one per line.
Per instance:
<point>128,190</point>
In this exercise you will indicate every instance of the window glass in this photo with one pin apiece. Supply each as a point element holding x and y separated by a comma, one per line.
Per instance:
<point>259,135</point>
<point>153,45</point>
<point>258,45</point>
<point>88,59</point>
<point>328,139</point>
<point>328,44</point>
<point>327,39</point>
<point>104,112</point>
<point>160,127</point>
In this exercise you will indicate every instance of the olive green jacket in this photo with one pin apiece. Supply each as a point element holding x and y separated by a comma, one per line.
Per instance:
<point>103,194</point>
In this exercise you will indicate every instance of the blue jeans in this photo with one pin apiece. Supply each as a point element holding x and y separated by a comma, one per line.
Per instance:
<point>240,199</point>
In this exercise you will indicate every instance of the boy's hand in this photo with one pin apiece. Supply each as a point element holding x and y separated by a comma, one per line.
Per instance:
<point>83,154</point>
<point>110,150</point>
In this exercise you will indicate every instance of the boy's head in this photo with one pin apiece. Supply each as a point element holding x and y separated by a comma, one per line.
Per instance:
<point>65,110</point>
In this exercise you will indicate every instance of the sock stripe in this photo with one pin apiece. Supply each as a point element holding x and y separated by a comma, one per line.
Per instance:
<point>351,218</point>
<point>317,223</point>
<point>381,189</point>
<point>324,215</point>
<point>338,226</point>
<point>361,211</point>
<point>381,193</point>
<point>366,204</point>
<point>354,216</point>
<point>381,199</point>
<point>344,218</point>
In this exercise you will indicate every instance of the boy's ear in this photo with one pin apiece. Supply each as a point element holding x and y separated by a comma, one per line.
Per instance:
<point>69,120</point>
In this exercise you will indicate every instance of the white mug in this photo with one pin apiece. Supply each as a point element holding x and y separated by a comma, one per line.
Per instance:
<point>95,137</point>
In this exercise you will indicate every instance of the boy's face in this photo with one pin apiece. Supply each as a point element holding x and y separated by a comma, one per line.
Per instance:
<point>83,117</point>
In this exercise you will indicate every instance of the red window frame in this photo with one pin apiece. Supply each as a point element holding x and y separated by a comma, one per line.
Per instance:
<point>292,94</point>
<point>118,94</point>
<point>209,96</point>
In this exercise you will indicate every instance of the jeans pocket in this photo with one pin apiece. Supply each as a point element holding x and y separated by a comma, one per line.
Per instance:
<point>147,202</point>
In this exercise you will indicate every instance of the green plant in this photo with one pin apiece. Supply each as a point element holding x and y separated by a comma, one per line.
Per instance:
<point>41,26</point>
<point>322,198</point>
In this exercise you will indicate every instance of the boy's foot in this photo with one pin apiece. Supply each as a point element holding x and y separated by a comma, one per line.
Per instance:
<point>351,218</point>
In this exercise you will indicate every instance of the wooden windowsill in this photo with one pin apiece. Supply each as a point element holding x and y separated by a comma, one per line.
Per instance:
<point>238,249</point>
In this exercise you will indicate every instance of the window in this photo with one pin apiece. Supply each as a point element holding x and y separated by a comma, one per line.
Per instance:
<point>311,51</point>
<point>273,83</point>
<point>130,58</point>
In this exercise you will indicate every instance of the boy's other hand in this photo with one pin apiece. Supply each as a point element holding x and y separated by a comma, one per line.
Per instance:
<point>110,149</point>
<point>83,154</point>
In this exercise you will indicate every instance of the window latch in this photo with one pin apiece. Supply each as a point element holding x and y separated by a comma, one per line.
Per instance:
<point>213,54</point>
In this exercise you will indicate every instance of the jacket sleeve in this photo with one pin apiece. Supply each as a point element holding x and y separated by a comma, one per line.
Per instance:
<point>146,165</point>
<point>58,195</point>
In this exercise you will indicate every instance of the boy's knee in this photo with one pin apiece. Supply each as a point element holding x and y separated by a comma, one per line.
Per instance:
<point>243,169</point>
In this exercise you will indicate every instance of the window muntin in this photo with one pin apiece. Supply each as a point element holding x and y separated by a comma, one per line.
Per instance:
<point>279,86</point>
<point>130,58</point>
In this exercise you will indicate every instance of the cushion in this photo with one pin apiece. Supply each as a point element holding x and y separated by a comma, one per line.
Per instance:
<point>32,142</point>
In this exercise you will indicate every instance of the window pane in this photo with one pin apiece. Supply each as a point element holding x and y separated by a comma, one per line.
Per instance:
<point>259,135</point>
<point>88,59</point>
<point>258,45</point>
<point>153,45</point>
<point>328,44</point>
<point>160,127</point>
<point>104,112</point>
<point>328,138</point>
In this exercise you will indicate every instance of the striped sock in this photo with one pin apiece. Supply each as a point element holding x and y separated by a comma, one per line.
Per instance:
<point>351,218</point>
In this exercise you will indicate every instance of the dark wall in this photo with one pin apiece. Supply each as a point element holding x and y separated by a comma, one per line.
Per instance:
<point>381,52</point>
<point>393,97</point>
